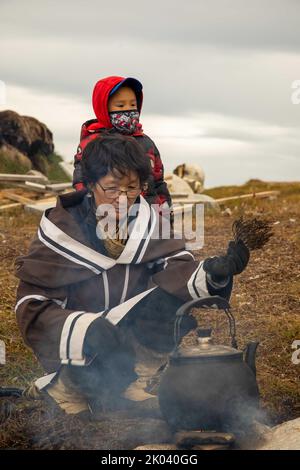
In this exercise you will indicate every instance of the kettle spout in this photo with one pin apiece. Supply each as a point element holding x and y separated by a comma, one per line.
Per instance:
<point>250,355</point>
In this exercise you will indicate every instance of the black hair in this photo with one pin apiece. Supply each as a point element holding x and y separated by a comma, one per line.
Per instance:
<point>117,154</point>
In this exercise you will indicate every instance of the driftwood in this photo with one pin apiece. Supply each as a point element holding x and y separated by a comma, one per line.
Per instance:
<point>10,206</point>
<point>41,205</point>
<point>261,194</point>
<point>35,186</point>
<point>5,177</point>
<point>56,187</point>
<point>16,197</point>
<point>187,198</point>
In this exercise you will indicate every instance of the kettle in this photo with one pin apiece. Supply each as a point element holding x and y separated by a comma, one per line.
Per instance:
<point>209,386</point>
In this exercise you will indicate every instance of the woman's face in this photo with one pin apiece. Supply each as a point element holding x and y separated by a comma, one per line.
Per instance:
<point>106,191</point>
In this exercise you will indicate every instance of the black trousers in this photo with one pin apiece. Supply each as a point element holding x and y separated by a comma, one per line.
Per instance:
<point>151,323</point>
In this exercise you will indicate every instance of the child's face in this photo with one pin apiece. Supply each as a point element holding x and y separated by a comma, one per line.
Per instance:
<point>123,99</point>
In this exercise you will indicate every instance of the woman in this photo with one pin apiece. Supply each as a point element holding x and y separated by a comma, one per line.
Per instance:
<point>88,282</point>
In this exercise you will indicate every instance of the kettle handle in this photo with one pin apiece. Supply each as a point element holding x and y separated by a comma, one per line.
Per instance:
<point>205,302</point>
<point>214,301</point>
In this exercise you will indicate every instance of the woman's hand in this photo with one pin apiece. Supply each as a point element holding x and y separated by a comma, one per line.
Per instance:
<point>102,338</point>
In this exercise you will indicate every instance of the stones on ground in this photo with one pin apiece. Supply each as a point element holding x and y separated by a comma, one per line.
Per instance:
<point>210,447</point>
<point>285,436</point>
<point>157,447</point>
<point>227,212</point>
<point>189,439</point>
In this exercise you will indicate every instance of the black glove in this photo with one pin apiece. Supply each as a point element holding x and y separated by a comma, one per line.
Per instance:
<point>112,365</point>
<point>234,262</point>
<point>101,339</point>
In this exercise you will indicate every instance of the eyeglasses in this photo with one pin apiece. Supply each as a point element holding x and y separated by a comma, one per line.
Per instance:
<point>113,193</point>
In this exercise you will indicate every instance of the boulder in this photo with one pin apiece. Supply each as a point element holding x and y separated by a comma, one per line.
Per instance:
<point>178,185</point>
<point>285,436</point>
<point>193,175</point>
<point>30,136</point>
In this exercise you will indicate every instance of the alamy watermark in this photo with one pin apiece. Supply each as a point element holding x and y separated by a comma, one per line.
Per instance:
<point>179,222</point>
<point>296,354</point>
<point>295,96</point>
<point>2,353</point>
<point>2,93</point>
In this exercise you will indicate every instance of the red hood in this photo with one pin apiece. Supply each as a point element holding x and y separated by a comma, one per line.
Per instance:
<point>101,93</point>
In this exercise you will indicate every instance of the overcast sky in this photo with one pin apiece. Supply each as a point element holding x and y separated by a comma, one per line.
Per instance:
<point>217,76</point>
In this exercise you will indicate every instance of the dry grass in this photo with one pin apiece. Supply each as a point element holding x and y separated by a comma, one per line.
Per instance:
<point>266,296</point>
<point>16,231</point>
<point>265,302</point>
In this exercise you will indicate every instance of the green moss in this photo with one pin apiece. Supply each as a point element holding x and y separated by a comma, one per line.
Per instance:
<point>50,167</point>
<point>13,165</point>
<point>55,172</point>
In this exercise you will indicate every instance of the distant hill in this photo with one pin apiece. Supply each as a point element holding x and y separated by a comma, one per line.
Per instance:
<point>27,144</point>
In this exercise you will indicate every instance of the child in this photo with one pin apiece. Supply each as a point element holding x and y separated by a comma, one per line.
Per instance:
<point>117,104</point>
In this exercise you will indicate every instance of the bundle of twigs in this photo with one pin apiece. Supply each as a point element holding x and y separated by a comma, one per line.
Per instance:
<point>255,233</point>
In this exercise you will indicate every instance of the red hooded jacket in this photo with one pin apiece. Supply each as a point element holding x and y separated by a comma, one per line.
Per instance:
<point>157,192</point>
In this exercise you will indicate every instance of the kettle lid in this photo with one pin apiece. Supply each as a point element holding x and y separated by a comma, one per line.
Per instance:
<point>205,350</point>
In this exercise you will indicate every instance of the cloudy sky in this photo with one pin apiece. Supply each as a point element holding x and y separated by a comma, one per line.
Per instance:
<point>217,76</point>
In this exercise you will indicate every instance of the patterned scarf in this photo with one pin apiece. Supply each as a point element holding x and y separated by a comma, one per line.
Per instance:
<point>126,122</point>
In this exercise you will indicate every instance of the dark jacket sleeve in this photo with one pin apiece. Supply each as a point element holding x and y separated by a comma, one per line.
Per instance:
<point>54,332</point>
<point>181,275</point>
<point>41,314</point>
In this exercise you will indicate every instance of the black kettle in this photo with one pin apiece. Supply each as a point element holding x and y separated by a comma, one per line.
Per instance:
<point>209,387</point>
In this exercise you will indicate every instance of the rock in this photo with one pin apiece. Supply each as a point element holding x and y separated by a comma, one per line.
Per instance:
<point>211,447</point>
<point>178,185</point>
<point>227,211</point>
<point>157,447</point>
<point>285,436</point>
<point>188,439</point>
<point>25,133</point>
<point>193,175</point>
